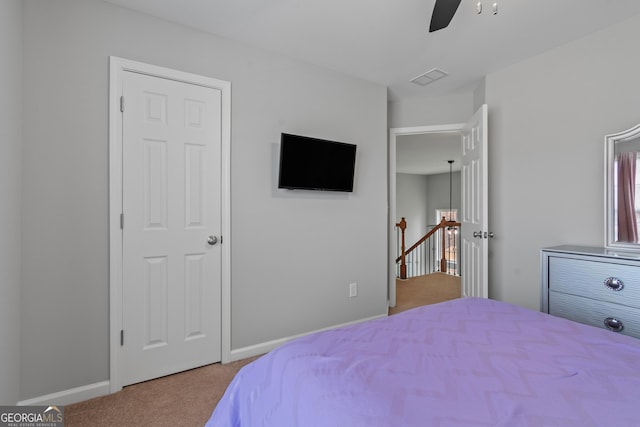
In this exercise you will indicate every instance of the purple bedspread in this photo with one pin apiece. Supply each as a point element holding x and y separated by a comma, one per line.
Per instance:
<point>466,362</point>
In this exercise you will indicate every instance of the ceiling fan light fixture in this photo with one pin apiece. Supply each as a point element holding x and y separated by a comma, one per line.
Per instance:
<point>429,77</point>
<point>494,6</point>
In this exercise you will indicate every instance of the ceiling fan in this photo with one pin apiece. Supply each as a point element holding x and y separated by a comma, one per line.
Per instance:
<point>444,11</point>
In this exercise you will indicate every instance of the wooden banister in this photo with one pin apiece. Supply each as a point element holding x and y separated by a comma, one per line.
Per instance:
<point>443,261</point>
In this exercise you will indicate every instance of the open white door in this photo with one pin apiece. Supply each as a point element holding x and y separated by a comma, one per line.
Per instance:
<point>475,212</point>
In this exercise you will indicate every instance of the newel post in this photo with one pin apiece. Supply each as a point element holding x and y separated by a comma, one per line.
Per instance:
<point>443,258</point>
<point>403,264</point>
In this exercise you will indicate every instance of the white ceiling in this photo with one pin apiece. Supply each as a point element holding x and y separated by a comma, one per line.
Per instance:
<point>428,154</point>
<point>387,41</point>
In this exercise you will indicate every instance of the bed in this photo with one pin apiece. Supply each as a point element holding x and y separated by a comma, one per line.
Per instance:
<point>465,362</point>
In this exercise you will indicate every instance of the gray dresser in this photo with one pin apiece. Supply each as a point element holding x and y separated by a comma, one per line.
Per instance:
<point>590,285</point>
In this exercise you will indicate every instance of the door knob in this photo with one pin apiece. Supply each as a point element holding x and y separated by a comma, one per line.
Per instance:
<point>477,234</point>
<point>212,240</point>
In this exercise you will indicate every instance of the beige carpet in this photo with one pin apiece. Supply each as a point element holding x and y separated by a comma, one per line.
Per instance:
<point>184,399</point>
<point>188,398</point>
<point>423,290</point>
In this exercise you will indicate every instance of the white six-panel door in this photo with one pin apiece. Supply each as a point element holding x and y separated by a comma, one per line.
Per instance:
<point>172,224</point>
<point>475,212</point>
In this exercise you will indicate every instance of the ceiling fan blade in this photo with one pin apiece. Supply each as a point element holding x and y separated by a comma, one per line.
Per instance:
<point>443,12</point>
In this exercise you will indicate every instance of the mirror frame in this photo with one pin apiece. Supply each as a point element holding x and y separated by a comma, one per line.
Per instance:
<point>609,209</point>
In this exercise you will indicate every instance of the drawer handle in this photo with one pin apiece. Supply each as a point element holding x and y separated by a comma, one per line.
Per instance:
<point>613,324</point>
<point>614,283</point>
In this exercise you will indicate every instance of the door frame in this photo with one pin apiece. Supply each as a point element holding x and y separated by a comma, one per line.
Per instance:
<point>393,134</point>
<point>118,66</point>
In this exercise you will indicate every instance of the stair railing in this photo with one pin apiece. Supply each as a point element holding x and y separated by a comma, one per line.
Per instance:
<point>421,253</point>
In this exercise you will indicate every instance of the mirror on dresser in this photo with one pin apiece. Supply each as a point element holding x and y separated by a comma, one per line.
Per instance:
<point>622,190</point>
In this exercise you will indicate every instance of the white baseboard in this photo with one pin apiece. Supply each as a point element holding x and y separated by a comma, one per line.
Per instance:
<point>73,395</point>
<point>89,391</point>
<point>265,347</point>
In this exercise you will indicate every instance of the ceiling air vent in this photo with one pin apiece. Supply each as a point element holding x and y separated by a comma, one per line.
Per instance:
<point>429,77</point>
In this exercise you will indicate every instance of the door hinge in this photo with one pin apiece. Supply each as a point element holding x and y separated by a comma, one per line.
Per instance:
<point>122,104</point>
<point>122,221</point>
<point>121,337</point>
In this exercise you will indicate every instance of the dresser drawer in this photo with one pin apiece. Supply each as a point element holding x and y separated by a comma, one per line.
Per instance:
<point>595,313</point>
<point>587,278</point>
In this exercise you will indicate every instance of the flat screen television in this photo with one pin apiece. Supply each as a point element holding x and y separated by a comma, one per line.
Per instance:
<point>316,164</point>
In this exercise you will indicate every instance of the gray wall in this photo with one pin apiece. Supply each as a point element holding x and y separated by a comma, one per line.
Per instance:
<point>10,170</point>
<point>455,108</point>
<point>547,120</point>
<point>411,203</point>
<point>293,254</point>
<point>438,187</point>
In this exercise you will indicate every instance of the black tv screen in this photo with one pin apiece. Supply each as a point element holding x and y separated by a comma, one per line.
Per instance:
<point>316,164</point>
